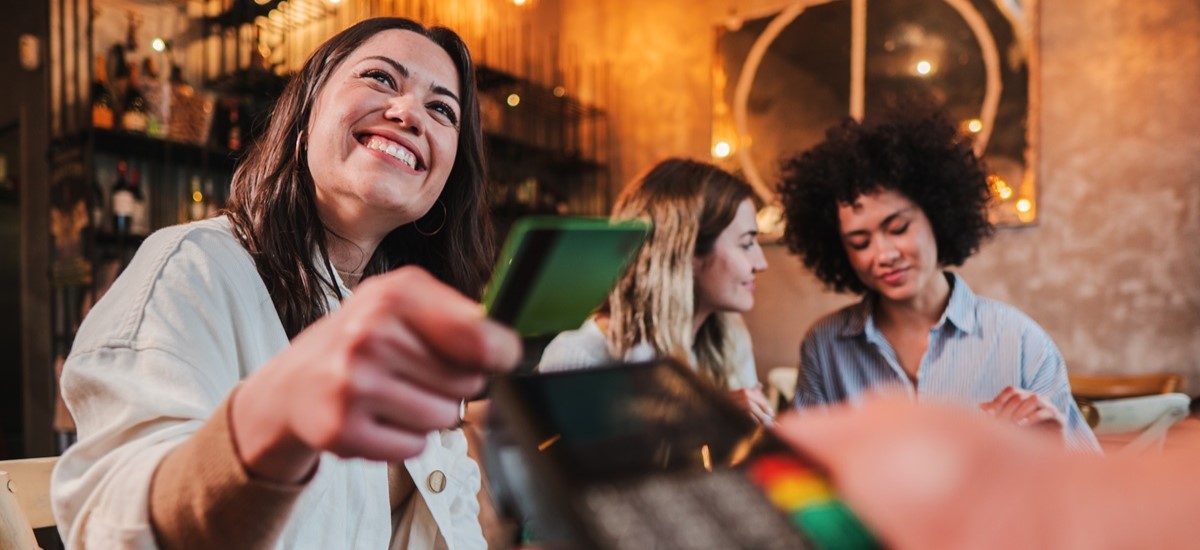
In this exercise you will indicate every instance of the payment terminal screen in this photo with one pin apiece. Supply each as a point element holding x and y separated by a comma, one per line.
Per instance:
<point>659,463</point>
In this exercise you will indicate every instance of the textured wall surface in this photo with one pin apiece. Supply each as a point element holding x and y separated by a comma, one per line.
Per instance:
<point>1112,270</point>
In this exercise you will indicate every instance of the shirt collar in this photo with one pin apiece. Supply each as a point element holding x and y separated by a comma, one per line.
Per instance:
<point>960,310</point>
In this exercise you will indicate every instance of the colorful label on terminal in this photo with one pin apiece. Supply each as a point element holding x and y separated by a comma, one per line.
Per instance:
<point>810,503</point>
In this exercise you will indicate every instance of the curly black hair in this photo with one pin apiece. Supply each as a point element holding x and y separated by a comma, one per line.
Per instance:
<point>917,153</point>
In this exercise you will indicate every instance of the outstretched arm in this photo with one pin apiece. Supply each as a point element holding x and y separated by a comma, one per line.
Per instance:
<point>924,476</point>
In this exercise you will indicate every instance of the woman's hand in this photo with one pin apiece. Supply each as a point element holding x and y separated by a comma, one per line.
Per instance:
<point>370,380</point>
<point>930,476</point>
<point>1025,408</point>
<point>754,403</point>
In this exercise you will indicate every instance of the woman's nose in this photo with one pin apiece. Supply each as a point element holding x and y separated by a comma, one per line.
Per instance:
<point>403,110</point>
<point>887,252</point>
<point>760,261</point>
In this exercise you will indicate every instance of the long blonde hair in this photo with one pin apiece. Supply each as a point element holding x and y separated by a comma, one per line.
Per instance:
<point>690,203</point>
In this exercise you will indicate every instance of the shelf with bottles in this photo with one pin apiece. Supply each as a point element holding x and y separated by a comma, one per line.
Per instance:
<point>132,197</point>
<point>160,119</point>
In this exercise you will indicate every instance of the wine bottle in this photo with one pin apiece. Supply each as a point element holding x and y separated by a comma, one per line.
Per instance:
<point>154,90</point>
<point>102,98</point>
<point>139,223</point>
<point>135,110</point>
<point>98,213</point>
<point>124,201</point>
<point>234,141</point>
<point>118,68</point>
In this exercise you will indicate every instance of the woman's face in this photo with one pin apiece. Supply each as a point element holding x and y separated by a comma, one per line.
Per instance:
<point>384,134</point>
<point>890,244</point>
<point>724,278</point>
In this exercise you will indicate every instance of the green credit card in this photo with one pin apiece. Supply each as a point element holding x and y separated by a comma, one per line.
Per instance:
<point>554,271</point>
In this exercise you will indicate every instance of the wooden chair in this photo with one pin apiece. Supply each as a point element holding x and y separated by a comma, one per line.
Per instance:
<point>24,501</point>
<point>1096,387</point>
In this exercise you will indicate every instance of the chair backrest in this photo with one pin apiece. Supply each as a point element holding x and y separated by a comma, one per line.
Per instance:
<point>24,500</point>
<point>781,386</point>
<point>1148,416</point>
<point>1094,387</point>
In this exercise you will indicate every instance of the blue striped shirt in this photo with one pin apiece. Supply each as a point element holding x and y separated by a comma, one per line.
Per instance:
<point>976,349</point>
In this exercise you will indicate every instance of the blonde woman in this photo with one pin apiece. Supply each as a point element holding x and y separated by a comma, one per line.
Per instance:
<point>682,295</point>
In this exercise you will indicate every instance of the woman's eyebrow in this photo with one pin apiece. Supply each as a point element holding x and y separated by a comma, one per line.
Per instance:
<point>888,220</point>
<point>404,72</point>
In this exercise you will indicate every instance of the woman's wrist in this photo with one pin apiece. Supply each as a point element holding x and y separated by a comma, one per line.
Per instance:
<point>266,446</point>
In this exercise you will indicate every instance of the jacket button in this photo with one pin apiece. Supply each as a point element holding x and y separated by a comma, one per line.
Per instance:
<point>437,481</point>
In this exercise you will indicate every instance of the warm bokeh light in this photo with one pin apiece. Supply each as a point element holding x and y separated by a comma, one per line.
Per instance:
<point>547,443</point>
<point>1000,187</point>
<point>974,125</point>
<point>1024,205</point>
<point>158,45</point>
<point>722,149</point>
<point>262,2</point>
<point>519,2</point>
<point>334,2</point>
<point>197,196</point>
<point>924,68</point>
<point>559,91</point>
<point>514,100</point>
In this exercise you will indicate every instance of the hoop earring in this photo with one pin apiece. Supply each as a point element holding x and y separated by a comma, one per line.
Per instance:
<point>299,148</point>
<point>424,233</point>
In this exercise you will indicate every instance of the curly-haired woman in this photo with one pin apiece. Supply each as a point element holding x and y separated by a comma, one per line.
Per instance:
<point>881,210</point>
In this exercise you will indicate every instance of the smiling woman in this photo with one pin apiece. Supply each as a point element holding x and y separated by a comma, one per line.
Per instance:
<point>208,418</point>
<point>881,209</point>
<point>682,294</point>
<point>382,140</point>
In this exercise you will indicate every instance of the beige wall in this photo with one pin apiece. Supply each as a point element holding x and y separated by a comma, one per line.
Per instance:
<point>1112,270</point>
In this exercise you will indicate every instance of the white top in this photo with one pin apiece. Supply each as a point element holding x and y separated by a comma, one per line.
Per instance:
<point>588,347</point>
<point>186,321</point>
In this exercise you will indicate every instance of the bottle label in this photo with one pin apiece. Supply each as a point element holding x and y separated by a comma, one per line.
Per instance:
<point>122,203</point>
<point>134,121</point>
<point>102,116</point>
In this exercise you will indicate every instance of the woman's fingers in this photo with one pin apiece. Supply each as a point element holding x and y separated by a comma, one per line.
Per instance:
<point>452,326</point>
<point>375,377</point>
<point>1010,401</point>
<point>403,405</point>
<point>760,407</point>
<point>1043,415</point>
<point>373,439</point>
<point>755,403</point>
<point>428,333</point>
<point>1025,406</point>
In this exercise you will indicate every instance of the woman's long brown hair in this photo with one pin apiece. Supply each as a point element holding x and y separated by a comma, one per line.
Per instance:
<point>272,205</point>
<point>690,203</point>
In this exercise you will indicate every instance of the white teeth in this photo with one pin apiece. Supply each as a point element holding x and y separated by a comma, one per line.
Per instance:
<point>400,153</point>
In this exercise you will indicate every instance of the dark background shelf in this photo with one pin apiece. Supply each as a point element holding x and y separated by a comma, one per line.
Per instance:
<point>143,146</point>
